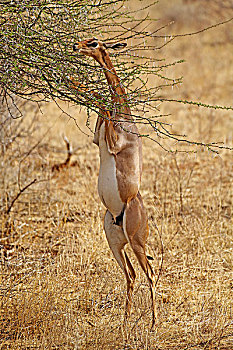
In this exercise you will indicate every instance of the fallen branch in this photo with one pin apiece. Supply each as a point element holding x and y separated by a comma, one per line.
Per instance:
<point>66,163</point>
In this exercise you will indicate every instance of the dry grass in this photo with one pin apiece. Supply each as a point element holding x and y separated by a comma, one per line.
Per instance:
<point>61,287</point>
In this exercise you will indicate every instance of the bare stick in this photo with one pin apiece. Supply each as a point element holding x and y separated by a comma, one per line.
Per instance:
<point>18,195</point>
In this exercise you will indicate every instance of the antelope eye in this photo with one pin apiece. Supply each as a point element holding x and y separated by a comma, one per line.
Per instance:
<point>93,44</point>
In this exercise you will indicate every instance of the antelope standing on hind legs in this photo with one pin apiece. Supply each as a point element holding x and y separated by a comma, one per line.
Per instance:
<point>120,173</point>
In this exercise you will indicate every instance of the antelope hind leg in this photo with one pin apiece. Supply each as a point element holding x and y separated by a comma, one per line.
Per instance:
<point>135,225</point>
<point>117,240</point>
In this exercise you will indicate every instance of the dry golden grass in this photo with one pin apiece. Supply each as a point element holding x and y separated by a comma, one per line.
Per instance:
<point>61,287</point>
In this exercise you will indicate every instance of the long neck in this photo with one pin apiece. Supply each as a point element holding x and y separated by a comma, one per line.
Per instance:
<point>116,89</point>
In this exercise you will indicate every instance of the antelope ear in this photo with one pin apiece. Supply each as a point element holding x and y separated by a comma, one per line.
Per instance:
<point>116,46</point>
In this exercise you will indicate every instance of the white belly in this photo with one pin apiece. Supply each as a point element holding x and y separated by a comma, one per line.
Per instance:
<point>107,182</point>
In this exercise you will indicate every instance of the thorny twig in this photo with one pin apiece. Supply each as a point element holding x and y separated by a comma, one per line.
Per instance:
<point>37,66</point>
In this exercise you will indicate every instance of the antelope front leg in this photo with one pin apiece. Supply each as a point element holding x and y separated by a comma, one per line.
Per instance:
<point>117,240</point>
<point>136,229</point>
<point>97,130</point>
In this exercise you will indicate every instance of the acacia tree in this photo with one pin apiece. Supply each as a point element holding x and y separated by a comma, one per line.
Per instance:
<point>37,61</point>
